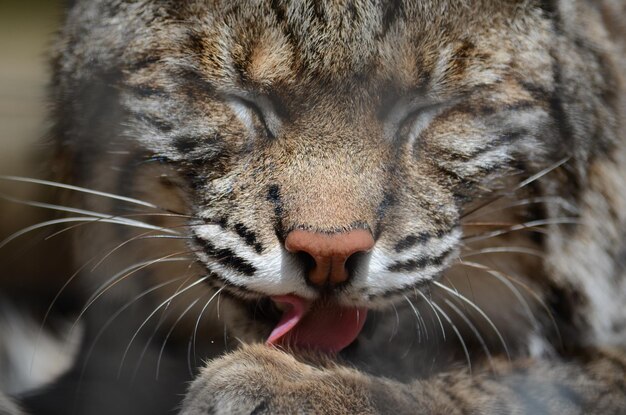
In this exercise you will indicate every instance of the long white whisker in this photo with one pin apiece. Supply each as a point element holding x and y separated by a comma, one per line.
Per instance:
<point>497,275</point>
<point>78,225</point>
<point>456,290</point>
<point>458,334</point>
<point>158,214</point>
<point>522,226</point>
<point>529,201</point>
<point>161,320</point>
<point>156,329</point>
<point>199,281</point>
<point>218,305</point>
<point>195,328</point>
<point>81,190</point>
<point>521,185</point>
<point>69,209</point>
<point>473,328</point>
<point>189,276</point>
<point>143,236</point>
<point>51,306</point>
<point>479,311</point>
<point>226,345</point>
<point>502,277</point>
<point>169,333</point>
<point>443,330</point>
<point>122,275</point>
<point>56,298</point>
<point>191,374</point>
<point>79,219</point>
<point>542,173</point>
<point>117,314</point>
<point>504,250</point>
<point>417,318</point>
<point>397,326</point>
<point>50,206</point>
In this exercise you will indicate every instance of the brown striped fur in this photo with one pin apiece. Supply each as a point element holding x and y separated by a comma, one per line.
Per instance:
<point>424,122</point>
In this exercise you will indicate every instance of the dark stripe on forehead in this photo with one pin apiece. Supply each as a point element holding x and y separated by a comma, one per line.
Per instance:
<point>195,43</point>
<point>319,12</point>
<point>154,121</point>
<point>394,10</point>
<point>149,59</point>
<point>549,6</point>
<point>147,91</point>
<point>462,57</point>
<point>278,7</point>
<point>194,82</point>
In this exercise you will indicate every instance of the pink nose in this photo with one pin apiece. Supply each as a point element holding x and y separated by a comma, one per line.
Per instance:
<point>330,253</point>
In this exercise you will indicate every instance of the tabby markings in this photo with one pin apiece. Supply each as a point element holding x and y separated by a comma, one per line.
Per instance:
<point>420,262</point>
<point>227,258</point>
<point>413,239</point>
<point>274,197</point>
<point>248,237</point>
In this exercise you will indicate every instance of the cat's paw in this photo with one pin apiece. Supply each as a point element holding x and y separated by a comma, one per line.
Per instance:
<point>261,380</point>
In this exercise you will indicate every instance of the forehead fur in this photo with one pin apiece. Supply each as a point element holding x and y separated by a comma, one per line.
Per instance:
<point>261,43</point>
<point>267,42</point>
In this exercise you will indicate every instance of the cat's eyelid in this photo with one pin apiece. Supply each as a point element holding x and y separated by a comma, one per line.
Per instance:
<point>243,113</point>
<point>246,104</point>
<point>404,110</point>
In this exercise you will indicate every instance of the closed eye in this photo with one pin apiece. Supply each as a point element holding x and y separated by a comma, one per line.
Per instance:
<point>255,115</point>
<point>407,120</point>
<point>417,120</point>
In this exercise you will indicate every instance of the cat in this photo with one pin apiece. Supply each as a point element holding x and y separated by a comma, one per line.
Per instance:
<point>347,207</point>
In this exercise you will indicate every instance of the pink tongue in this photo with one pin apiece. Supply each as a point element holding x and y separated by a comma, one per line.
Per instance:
<point>324,327</point>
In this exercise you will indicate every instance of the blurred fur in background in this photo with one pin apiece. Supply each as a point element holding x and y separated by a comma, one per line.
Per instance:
<point>31,269</point>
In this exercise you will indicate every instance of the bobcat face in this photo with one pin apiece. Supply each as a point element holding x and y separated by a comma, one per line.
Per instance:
<point>330,149</point>
<point>329,174</point>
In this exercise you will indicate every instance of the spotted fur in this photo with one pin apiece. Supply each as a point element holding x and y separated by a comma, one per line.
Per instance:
<point>481,143</point>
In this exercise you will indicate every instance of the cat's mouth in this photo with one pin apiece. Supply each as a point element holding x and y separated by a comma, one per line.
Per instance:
<point>321,325</point>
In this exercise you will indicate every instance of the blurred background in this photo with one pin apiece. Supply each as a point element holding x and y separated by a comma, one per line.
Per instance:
<point>29,270</point>
<point>36,347</point>
<point>27,31</point>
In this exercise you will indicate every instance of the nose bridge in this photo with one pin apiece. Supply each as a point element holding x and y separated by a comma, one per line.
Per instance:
<point>329,253</point>
<point>331,176</point>
<point>331,195</point>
